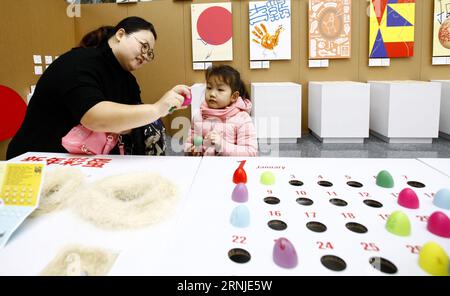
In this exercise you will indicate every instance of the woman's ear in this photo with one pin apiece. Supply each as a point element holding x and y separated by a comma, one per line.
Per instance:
<point>234,96</point>
<point>120,34</point>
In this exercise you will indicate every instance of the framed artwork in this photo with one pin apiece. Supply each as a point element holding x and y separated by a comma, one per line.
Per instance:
<point>212,32</point>
<point>330,29</point>
<point>441,31</point>
<point>270,30</point>
<point>391,33</point>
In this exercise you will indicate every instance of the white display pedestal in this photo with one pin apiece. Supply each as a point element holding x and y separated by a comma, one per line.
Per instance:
<point>405,111</point>
<point>338,111</point>
<point>277,111</point>
<point>444,122</point>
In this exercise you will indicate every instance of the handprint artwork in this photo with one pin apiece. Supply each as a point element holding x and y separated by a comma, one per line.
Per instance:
<point>264,38</point>
<point>270,30</point>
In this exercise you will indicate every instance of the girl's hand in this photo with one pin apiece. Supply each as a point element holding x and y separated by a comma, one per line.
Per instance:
<point>193,151</point>
<point>215,139</point>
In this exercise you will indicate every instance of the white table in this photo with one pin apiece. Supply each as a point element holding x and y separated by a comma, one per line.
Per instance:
<point>196,241</point>
<point>440,164</point>
<point>39,239</point>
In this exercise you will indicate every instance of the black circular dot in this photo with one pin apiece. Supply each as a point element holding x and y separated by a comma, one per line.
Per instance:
<point>316,226</point>
<point>272,200</point>
<point>383,265</point>
<point>2,234</point>
<point>373,203</point>
<point>338,202</point>
<point>356,227</point>
<point>333,262</point>
<point>354,184</point>
<point>325,183</point>
<point>415,184</point>
<point>277,224</point>
<point>304,201</point>
<point>296,183</point>
<point>239,255</point>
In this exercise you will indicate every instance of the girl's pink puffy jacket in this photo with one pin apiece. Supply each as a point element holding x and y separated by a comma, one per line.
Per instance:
<point>233,123</point>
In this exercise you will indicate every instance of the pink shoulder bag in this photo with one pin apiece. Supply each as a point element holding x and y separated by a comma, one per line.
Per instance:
<point>80,140</point>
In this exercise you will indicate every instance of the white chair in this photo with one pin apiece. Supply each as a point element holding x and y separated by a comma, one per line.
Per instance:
<point>198,96</point>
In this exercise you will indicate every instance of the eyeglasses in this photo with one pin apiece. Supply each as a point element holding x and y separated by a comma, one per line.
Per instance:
<point>145,49</point>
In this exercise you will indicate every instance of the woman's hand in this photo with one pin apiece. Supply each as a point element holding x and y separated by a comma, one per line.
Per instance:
<point>183,90</point>
<point>174,98</point>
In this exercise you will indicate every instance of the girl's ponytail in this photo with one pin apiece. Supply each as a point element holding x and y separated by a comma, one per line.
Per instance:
<point>243,90</point>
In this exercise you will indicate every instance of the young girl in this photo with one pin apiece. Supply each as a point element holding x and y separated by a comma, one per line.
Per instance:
<point>223,126</point>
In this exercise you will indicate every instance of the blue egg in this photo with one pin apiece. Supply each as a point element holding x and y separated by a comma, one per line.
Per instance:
<point>240,217</point>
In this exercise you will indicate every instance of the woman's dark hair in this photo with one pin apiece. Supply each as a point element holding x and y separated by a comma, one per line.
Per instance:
<point>230,76</point>
<point>101,35</point>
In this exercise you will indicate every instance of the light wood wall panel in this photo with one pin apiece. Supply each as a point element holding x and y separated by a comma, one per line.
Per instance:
<point>30,27</point>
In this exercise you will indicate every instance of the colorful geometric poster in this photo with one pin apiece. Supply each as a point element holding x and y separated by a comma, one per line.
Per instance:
<point>212,32</point>
<point>391,28</point>
<point>329,29</point>
<point>270,30</point>
<point>441,32</point>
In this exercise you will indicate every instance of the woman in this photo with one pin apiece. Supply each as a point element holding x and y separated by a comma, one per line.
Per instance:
<point>93,85</point>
